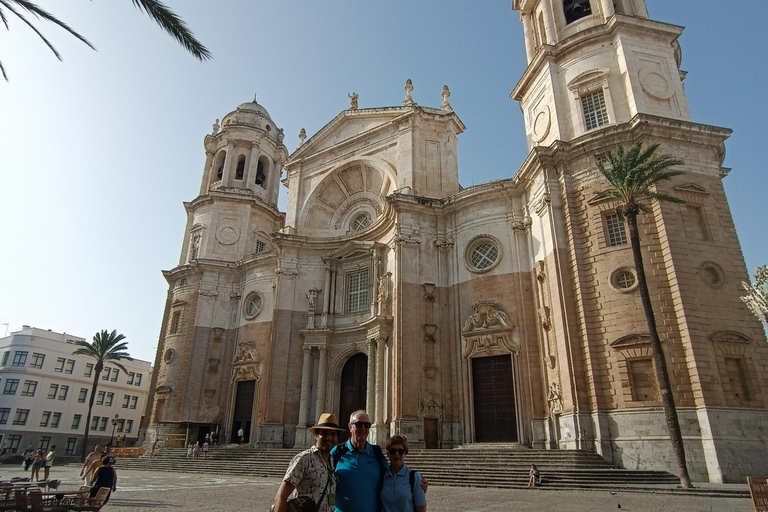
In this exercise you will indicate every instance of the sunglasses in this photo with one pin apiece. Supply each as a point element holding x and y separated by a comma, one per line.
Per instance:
<point>361,424</point>
<point>398,451</point>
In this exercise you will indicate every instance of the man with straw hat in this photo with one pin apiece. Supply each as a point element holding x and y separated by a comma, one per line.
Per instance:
<point>310,476</point>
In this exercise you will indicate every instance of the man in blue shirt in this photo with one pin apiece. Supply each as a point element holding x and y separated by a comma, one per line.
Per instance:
<point>359,466</point>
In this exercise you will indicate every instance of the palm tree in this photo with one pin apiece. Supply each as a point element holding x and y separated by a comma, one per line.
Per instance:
<point>162,15</point>
<point>106,346</point>
<point>633,176</point>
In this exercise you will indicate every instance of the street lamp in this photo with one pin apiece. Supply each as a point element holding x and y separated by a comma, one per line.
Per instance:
<point>114,425</point>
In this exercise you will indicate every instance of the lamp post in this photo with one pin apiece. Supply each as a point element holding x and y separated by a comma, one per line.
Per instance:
<point>114,425</point>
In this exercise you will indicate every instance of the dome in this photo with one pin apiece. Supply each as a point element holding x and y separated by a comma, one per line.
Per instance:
<point>252,106</point>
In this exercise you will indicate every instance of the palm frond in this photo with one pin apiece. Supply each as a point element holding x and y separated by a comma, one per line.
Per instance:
<point>42,13</point>
<point>633,175</point>
<point>174,25</point>
<point>2,70</point>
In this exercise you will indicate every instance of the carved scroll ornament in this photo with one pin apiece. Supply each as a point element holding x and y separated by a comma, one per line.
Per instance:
<point>488,331</point>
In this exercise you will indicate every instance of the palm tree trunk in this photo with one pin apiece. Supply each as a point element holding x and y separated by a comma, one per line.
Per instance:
<point>97,371</point>
<point>659,363</point>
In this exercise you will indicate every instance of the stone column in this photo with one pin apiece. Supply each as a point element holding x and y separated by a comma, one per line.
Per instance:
<point>227,174</point>
<point>326,298</point>
<point>306,374</point>
<point>370,404</point>
<point>253,162</point>
<point>608,9</point>
<point>375,288</point>
<point>549,25</point>
<point>530,51</point>
<point>207,173</point>
<point>321,380</point>
<point>380,384</point>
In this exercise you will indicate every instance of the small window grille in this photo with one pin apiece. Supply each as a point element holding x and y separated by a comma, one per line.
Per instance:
<point>360,222</point>
<point>595,111</point>
<point>254,306</point>
<point>259,246</point>
<point>617,235</point>
<point>176,322</point>
<point>484,255</point>
<point>358,291</point>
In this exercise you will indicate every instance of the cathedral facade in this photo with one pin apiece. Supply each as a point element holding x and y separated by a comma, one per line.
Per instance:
<point>507,312</point>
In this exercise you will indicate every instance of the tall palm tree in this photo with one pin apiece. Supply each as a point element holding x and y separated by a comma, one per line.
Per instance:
<point>633,176</point>
<point>162,15</point>
<point>106,346</point>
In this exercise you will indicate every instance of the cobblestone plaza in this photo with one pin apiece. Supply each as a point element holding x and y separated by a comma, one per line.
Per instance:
<point>155,490</point>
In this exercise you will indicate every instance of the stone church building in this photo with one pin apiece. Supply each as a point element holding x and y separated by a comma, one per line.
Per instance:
<point>507,312</point>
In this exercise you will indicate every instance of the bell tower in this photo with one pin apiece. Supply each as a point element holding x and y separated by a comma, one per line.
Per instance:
<point>237,206</point>
<point>595,63</point>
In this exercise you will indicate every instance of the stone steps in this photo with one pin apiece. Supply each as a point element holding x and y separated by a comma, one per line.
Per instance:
<point>480,467</point>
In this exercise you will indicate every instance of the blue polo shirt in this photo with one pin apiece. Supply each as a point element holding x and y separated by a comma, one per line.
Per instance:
<point>358,475</point>
<point>396,491</point>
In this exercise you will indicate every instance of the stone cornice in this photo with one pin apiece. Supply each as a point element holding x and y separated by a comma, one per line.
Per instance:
<point>213,195</point>
<point>548,53</point>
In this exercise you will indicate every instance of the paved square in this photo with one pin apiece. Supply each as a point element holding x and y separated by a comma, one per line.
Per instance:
<point>140,491</point>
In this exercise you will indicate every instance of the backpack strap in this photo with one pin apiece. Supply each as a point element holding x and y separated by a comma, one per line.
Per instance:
<point>412,480</point>
<point>336,456</point>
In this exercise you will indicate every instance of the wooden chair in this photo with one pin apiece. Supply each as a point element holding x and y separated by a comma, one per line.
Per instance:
<point>38,504</point>
<point>20,497</point>
<point>94,503</point>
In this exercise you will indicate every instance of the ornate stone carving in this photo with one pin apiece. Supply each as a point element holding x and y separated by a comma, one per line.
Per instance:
<point>542,204</point>
<point>247,353</point>
<point>163,389</point>
<point>431,371</point>
<point>431,406</point>
<point>408,91</point>
<point>353,101</point>
<point>488,331</point>
<point>445,243</point>
<point>216,127</point>
<point>446,94</point>
<point>553,399</point>
<point>522,225</point>
<point>383,293</point>
<point>213,365</point>
<point>302,136</point>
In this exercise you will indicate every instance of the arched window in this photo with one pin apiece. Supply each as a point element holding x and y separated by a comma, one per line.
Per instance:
<point>261,174</point>
<point>219,165</point>
<point>240,167</point>
<point>576,9</point>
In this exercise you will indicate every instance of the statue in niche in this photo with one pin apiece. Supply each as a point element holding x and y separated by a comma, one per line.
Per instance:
<point>553,398</point>
<point>353,101</point>
<point>195,247</point>
<point>312,300</point>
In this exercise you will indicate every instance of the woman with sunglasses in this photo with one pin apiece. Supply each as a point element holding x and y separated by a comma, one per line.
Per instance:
<point>401,492</point>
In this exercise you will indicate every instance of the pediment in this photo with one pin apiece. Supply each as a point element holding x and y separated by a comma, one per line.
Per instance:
<point>352,249</point>
<point>631,340</point>
<point>691,188</point>
<point>729,337</point>
<point>348,126</point>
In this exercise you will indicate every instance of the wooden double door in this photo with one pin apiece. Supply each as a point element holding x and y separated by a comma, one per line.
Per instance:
<point>493,389</point>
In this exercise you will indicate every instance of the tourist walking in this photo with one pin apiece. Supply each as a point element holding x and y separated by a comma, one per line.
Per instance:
<point>309,476</point>
<point>87,471</point>
<point>29,457</point>
<point>241,435</point>
<point>196,450</point>
<point>105,476</point>
<point>205,449</point>
<point>401,489</point>
<point>49,461</point>
<point>189,451</point>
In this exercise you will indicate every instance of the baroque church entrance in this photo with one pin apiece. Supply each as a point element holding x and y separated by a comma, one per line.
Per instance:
<point>354,386</point>
<point>494,398</point>
<point>241,418</point>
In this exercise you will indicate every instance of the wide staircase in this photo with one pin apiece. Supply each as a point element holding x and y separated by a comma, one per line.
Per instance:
<point>487,466</point>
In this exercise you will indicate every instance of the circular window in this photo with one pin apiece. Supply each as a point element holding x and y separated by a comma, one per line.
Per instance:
<point>624,280</point>
<point>253,305</point>
<point>712,275</point>
<point>360,222</point>
<point>482,254</point>
<point>168,356</point>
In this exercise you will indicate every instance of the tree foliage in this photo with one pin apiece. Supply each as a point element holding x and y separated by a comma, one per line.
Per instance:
<point>633,176</point>
<point>156,10</point>
<point>756,298</point>
<point>105,347</point>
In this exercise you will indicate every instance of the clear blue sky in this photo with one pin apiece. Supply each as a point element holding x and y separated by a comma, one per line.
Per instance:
<point>97,153</point>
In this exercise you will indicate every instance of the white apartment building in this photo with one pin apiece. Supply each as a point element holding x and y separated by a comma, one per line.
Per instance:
<point>45,390</point>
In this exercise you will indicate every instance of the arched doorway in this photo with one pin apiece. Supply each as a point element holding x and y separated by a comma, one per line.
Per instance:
<point>354,386</point>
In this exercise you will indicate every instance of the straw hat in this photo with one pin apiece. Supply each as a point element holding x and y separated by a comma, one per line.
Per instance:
<point>327,421</point>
